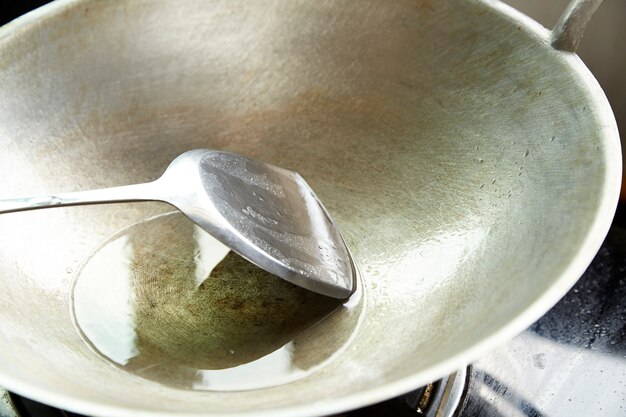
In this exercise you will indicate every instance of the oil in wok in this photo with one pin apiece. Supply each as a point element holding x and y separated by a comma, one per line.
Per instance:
<point>165,301</point>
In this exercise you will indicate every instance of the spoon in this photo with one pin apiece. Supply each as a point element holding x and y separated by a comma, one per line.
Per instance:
<point>266,214</point>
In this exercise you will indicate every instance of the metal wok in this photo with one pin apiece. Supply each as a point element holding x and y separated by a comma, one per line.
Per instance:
<point>472,167</point>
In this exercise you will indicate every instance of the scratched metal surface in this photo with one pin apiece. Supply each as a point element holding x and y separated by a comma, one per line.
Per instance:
<point>447,140</point>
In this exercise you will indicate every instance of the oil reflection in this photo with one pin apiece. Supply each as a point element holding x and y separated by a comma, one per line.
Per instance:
<point>108,314</point>
<point>167,302</point>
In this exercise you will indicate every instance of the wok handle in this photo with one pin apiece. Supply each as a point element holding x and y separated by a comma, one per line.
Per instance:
<point>568,31</point>
<point>127,193</point>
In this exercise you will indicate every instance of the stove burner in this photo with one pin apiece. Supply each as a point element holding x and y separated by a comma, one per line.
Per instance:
<point>12,405</point>
<point>442,398</point>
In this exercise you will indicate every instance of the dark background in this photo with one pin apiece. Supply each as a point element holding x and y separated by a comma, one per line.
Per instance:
<point>17,8</point>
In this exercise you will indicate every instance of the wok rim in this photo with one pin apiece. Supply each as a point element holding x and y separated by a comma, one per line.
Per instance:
<point>579,262</point>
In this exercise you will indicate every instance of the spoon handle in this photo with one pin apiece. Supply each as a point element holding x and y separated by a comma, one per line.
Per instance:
<point>127,193</point>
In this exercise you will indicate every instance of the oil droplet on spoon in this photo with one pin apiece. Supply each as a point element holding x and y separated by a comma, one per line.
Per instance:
<point>165,301</point>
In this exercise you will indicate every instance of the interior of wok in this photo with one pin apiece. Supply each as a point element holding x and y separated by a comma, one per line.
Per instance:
<point>460,156</point>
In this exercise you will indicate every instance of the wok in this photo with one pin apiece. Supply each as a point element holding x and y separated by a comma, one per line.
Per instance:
<point>472,167</point>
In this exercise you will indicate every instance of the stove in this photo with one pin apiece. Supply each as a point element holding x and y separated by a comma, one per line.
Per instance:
<point>571,362</point>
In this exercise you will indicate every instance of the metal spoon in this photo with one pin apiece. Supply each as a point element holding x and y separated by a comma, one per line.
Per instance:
<point>267,214</point>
